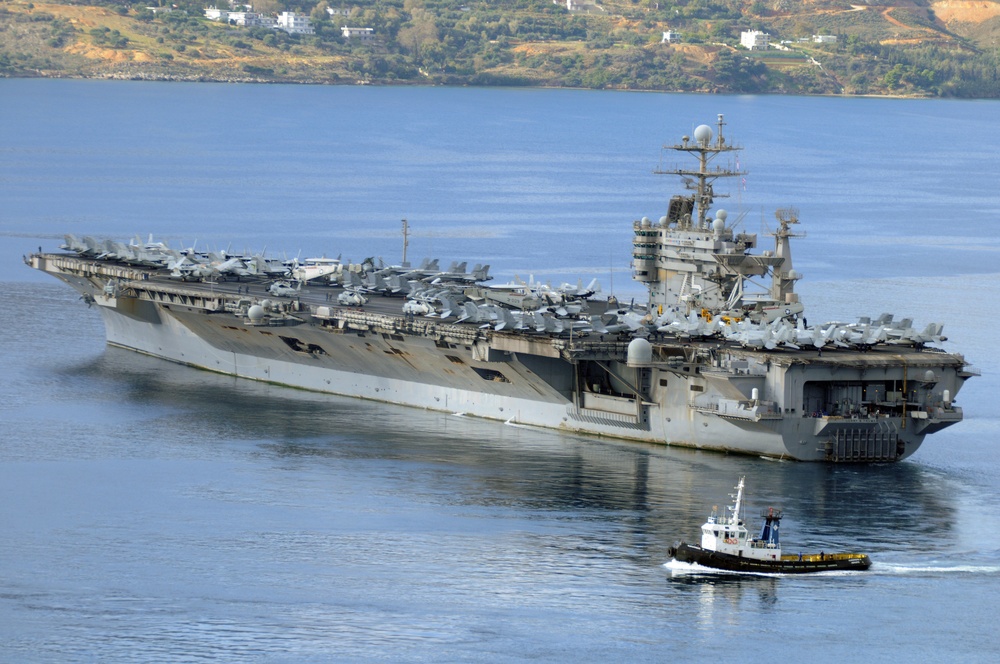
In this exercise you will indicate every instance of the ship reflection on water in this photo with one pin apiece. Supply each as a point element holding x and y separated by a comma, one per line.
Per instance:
<point>714,592</point>
<point>650,496</point>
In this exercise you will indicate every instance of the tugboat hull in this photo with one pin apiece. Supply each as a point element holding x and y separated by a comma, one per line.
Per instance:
<point>787,564</point>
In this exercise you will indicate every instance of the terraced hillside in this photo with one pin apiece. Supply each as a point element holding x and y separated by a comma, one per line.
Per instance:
<point>943,48</point>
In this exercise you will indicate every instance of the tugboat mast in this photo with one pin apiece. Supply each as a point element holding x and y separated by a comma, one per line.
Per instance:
<point>734,519</point>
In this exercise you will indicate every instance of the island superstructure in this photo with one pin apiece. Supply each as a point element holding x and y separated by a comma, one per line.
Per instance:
<point>699,263</point>
<point>707,362</point>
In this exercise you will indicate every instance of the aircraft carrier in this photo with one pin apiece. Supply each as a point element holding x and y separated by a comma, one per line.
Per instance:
<point>706,362</point>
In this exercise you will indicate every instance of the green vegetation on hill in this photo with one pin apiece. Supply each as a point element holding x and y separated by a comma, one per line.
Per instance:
<point>900,49</point>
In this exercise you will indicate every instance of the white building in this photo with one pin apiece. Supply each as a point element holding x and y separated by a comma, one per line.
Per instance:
<point>670,37</point>
<point>241,18</point>
<point>755,40</point>
<point>334,11</point>
<point>214,14</point>
<point>251,20</point>
<point>360,34</point>
<point>825,39</point>
<point>295,24</point>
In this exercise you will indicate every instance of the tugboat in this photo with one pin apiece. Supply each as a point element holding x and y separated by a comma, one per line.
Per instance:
<point>726,545</point>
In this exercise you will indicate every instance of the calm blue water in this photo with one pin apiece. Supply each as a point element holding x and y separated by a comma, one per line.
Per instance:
<point>151,512</point>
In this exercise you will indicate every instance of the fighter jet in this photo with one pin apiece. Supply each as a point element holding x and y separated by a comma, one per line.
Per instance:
<point>71,243</point>
<point>423,303</point>
<point>262,267</point>
<point>456,274</point>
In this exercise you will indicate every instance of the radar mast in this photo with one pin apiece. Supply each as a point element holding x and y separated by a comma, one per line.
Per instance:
<point>701,181</point>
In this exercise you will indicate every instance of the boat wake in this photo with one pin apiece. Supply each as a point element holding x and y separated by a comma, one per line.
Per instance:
<point>679,568</point>
<point>896,568</point>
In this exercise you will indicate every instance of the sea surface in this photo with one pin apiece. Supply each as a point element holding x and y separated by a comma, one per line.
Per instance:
<point>151,512</point>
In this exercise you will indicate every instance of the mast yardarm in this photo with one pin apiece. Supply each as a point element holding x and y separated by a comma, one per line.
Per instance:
<point>701,180</point>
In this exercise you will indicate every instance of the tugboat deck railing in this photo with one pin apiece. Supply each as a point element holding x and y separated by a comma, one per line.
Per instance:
<point>820,557</point>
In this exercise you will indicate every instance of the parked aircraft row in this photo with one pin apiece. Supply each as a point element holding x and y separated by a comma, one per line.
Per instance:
<point>518,305</point>
<point>190,264</point>
<point>795,335</point>
<point>402,279</point>
<point>186,264</point>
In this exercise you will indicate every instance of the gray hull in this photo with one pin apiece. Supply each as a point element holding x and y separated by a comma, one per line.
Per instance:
<point>842,406</point>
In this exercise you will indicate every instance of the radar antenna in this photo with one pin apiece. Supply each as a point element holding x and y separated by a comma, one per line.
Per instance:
<point>700,181</point>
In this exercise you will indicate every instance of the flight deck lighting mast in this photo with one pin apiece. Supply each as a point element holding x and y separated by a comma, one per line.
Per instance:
<point>406,241</point>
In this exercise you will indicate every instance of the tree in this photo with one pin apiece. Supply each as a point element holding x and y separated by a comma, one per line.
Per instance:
<point>319,13</point>
<point>893,78</point>
<point>268,6</point>
<point>422,31</point>
<point>722,29</point>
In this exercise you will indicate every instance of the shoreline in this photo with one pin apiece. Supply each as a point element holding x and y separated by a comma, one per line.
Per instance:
<point>361,83</point>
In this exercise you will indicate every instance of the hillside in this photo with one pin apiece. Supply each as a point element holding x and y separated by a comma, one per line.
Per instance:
<point>941,48</point>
